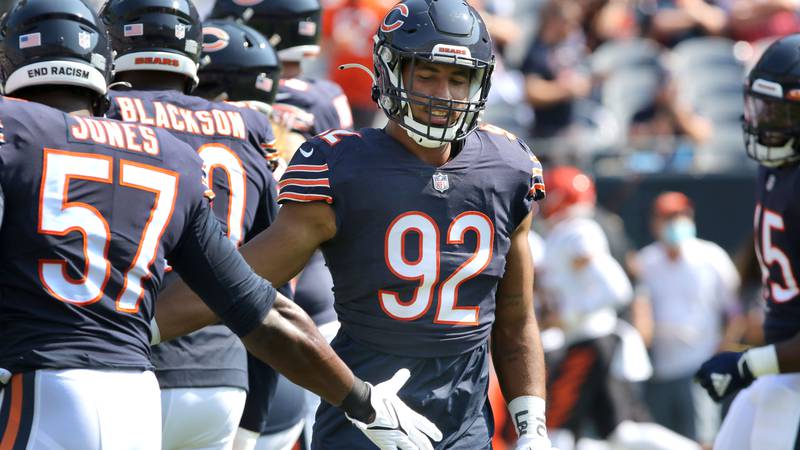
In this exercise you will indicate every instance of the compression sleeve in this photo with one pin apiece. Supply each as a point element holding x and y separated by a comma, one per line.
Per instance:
<point>210,264</point>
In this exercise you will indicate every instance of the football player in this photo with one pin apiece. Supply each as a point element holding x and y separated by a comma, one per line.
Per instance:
<point>203,376</point>
<point>424,226</point>
<point>235,63</point>
<point>93,210</point>
<point>309,106</point>
<point>766,414</point>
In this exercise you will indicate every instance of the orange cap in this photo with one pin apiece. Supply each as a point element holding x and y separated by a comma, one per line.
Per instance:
<point>671,203</point>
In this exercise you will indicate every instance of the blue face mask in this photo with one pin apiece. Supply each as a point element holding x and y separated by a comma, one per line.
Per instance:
<point>678,230</point>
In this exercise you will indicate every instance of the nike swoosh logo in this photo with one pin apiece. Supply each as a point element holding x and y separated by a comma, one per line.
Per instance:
<point>307,154</point>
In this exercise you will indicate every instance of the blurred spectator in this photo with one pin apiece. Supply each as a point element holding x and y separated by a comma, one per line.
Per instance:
<point>667,129</point>
<point>591,384</point>
<point>667,116</point>
<point>671,21</point>
<point>498,16</point>
<point>752,20</point>
<point>605,20</point>
<point>348,27</point>
<point>552,68</point>
<point>691,286</point>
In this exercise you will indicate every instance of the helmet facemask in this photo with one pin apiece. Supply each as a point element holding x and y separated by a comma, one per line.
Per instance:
<point>396,95</point>
<point>771,125</point>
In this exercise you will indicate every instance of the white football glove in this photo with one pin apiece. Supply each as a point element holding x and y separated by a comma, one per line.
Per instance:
<point>396,426</point>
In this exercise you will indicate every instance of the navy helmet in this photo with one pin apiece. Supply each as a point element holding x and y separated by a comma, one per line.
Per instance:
<point>158,35</point>
<point>438,31</point>
<point>292,26</point>
<point>55,43</point>
<point>771,121</point>
<point>239,62</point>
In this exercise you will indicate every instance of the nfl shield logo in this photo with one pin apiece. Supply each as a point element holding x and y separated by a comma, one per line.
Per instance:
<point>180,30</point>
<point>84,40</point>
<point>440,182</point>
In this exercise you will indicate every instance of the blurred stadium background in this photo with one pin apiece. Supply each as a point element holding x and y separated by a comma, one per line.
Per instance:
<point>644,95</point>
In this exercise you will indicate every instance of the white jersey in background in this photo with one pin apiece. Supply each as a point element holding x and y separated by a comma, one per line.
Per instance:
<point>585,283</point>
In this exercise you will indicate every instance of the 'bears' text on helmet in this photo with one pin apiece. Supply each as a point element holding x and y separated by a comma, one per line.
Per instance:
<point>436,31</point>
<point>159,35</point>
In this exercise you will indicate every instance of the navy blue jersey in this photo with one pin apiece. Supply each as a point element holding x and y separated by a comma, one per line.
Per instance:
<point>314,291</point>
<point>777,235</point>
<point>320,105</point>
<point>93,210</point>
<point>232,143</point>
<point>289,407</point>
<point>419,250</point>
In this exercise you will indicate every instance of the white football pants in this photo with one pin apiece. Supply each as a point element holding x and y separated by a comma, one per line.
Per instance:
<point>81,409</point>
<point>765,415</point>
<point>201,418</point>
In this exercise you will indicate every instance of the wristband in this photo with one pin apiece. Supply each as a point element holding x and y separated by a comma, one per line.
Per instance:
<point>155,333</point>
<point>762,360</point>
<point>527,413</point>
<point>357,404</point>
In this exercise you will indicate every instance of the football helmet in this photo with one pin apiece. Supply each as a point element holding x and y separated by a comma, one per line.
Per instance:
<point>239,61</point>
<point>159,35</point>
<point>439,31</point>
<point>567,187</point>
<point>292,26</point>
<point>55,43</point>
<point>771,121</point>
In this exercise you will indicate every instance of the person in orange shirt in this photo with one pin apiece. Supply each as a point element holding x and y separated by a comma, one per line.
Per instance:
<point>348,27</point>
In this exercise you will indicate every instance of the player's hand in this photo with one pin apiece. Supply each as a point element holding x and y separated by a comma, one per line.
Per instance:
<point>724,374</point>
<point>396,426</point>
<point>533,443</point>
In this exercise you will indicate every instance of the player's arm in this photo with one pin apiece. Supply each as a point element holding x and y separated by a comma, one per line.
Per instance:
<point>278,332</point>
<point>277,254</point>
<point>727,372</point>
<point>516,348</point>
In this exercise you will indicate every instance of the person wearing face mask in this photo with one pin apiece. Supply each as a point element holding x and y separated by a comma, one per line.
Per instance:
<point>690,286</point>
<point>586,288</point>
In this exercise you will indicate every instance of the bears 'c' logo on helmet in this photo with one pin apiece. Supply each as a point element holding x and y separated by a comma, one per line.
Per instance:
<point>214,39</point>
<point>389,27</point>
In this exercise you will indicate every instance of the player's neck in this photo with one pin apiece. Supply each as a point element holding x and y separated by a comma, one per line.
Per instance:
<point>432,156</point>
<point>62,98</point>
<point>290,69</point>
<point>153,81</point>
